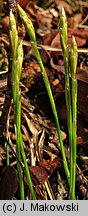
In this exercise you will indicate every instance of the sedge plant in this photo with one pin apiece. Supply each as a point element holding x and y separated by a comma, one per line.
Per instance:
<point>70,63</point>
<point>71,102</point>
<point>65,50</point>
<point>30,29</point>
<point>15,88</point>
<point>17,52</point>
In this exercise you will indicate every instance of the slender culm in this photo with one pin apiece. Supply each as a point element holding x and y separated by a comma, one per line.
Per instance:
<point>73,65</point>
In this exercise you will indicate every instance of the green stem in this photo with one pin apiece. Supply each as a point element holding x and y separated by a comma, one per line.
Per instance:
<point>17,113</point>
<point>18,147</point>
<point>27,169</point>
<point>69,109</point>
<point>74,129</point>
<point>16,75</point>
<point>7,154</point>
<point>49,91</point>
<point>73,55</point>
<point>20,151</point>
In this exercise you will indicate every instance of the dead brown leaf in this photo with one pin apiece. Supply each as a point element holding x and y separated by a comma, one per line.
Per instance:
<point>44,19</point>
<point>47,38</point>
<point>8,183</point>
<point>49,165</point>
<point>74,20</point>
<point>65,5</point>
<point>22,3</point>
<point>39,174</point>
<point>81,37</point>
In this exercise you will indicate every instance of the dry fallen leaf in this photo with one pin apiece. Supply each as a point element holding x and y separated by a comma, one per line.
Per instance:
<point>49,165</point>
<point>68,8</point>
<point>74,20</point>
<point>22,3</point>
<point>8,182</point>
<point>40,173</point>
<point>44,20</point>
<point>80,36</point>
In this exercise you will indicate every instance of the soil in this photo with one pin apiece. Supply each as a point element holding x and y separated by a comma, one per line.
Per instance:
<point>39,131</point>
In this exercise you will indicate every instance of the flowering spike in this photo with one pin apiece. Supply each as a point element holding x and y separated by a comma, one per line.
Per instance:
<point>73,56</point>
<point>27,22</point>
<point>19,60</point>
<point>13,33</point>
<point>63,30</point>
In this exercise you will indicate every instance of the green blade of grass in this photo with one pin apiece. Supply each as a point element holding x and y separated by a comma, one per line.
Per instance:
<point>73,65</point>
<point>18,147</point>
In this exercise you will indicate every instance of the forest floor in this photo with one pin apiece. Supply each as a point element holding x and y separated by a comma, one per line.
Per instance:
<point>39,131</point>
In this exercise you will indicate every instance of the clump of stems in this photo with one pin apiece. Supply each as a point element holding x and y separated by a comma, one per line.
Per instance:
<point>70,64</point>
<point>31,32</point>
<point>17,51</point>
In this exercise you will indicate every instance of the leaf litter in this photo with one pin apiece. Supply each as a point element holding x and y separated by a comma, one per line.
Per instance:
<point>38,129</point>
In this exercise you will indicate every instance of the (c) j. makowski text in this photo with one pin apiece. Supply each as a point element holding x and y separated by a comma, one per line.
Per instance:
<point>54,207</point>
